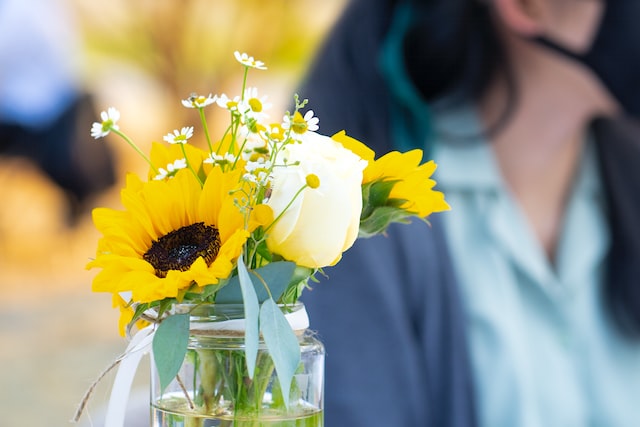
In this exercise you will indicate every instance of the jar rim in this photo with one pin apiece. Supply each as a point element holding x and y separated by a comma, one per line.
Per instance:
<point>230,317</point>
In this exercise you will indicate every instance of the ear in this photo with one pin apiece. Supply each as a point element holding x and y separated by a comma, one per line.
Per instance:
<point>519,16</point>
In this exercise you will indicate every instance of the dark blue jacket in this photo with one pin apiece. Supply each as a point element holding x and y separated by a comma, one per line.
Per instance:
<point>391,321</point>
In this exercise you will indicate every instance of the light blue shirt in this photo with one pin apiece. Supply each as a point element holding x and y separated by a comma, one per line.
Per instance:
<point>543,351</point>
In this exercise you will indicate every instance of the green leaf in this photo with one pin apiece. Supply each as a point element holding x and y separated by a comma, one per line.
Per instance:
<point>282,344</point>
<point>170,346</point>
<point>379,192</point>
<point>209,291</point>
<point>263,250</point>
<point>251,310</point>
<point>380,219</point>
<point>277,276</point>
<point>139,311</point>
<point>298,282</point>
<point>374,195</point>
<point>396,203</point>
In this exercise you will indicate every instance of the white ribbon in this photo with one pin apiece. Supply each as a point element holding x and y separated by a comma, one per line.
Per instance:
<point>141,344</point>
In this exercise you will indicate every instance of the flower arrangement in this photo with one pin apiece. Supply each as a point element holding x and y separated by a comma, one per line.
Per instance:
<point>250,219</point>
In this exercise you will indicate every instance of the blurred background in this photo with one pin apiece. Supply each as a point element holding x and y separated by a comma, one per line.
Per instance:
<point>61,63</point>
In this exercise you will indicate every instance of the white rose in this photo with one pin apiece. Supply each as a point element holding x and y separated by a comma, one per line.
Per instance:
<point>321,223</point>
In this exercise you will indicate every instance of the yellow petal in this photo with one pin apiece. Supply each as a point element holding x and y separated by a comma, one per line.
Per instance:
<point>357,147</point>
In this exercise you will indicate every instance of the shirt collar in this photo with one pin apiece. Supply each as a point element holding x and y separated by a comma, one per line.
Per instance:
<point>464,156</point>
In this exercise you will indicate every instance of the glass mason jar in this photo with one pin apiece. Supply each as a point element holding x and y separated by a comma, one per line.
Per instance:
<point>213,387</point>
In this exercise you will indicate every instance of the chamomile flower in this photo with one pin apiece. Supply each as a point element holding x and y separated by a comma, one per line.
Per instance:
<point>259,163</point>
<point>179,136</point>
<point>220,159</point>
<point>299,124</point>
<point>109,122</point>
<point>199,101</point>
<point>254,147</point>
<point>171,170</point>
<point>229,104</point>
<point>260,177</point>
<point>248,61</point>
<point>254,110</point>
<point>275,132</point>
<point>251,126</point>
<point>256,103</point>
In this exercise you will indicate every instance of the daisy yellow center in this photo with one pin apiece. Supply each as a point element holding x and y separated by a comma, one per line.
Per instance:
<point>298,123</point>
<point>182,247</point>
<point>107,125</point>
<point>255,105</point>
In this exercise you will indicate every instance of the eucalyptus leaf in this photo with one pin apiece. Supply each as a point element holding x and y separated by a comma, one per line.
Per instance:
<point>277,276</point>
<point>251,313</point>
<point>282,344</point>
<point>170,346</point>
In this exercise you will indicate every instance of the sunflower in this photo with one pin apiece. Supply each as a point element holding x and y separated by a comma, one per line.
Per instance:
<point>412,183</point>
<point>395,187</point>
<point>173,235</point>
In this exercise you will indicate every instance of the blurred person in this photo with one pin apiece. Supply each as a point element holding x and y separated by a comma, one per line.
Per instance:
<point>44,113</point>
<point>520,306</point>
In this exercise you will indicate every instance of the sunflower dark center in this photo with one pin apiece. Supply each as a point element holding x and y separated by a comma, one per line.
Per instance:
<point>180,248</point>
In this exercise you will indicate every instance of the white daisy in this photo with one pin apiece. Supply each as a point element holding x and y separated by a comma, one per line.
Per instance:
<point>259,163</point>
<point>299,124</point>
<point>199,101</point>
<point>171,169</point>
<point>264,178</point>
<point>256,103</point>
<point>274,133</point>
<point>248,61</point>
<point>233,105</point>
<point>254,145</point>
<point>179,137</point>
<point>249,177</point>
<point>220,159</point>
<point>109,122</point>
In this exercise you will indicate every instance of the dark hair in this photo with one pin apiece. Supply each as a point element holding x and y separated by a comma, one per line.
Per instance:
<point>450,47</point>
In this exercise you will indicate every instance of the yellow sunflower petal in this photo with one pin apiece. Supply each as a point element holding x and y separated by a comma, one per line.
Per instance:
<point>210,201</point>
<point>133,201</point>
<point>149,288</point>
<point>393,165</point>
<point>354,145</point>
<point>217,206</point>
<point>115,272</point>
<point>200,274</point>
<point>126,313</point>
<point>119,232</point>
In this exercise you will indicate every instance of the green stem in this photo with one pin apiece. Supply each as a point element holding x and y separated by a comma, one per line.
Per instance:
<point>135,147</point>
<point>244,82</point>
<point>208,378</point>
<point>266,370</point>
<point>184,153</point>
<point>205,128</point>
<point>224,135</point>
